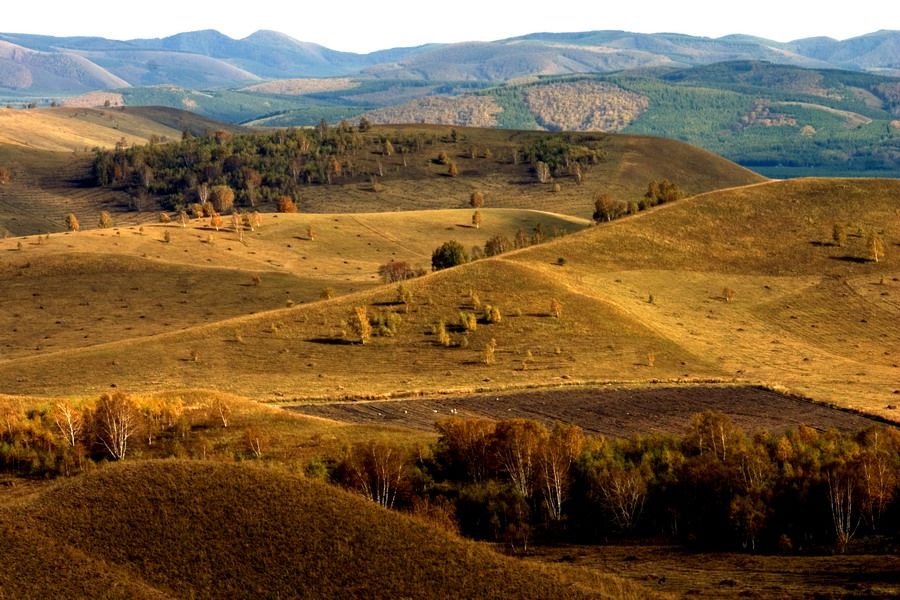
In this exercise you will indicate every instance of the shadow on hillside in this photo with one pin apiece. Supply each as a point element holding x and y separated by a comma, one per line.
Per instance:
<point>852,259</point>
<point>819,244</point>
<point>331,341</point>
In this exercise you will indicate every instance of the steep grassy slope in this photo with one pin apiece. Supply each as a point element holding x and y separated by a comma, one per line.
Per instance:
<point>211,531</point>
<point>642,299</point>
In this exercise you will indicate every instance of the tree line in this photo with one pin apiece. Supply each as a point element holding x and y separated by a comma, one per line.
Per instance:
<point>518,481</point>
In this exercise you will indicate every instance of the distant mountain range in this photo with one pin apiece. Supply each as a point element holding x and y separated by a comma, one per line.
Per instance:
<point>35,64</point>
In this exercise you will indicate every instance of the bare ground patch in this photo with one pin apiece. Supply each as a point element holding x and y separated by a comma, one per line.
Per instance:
<point>614,412</point>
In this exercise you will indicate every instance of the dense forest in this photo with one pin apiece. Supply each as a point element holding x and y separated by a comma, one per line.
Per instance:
<point>266,167</point>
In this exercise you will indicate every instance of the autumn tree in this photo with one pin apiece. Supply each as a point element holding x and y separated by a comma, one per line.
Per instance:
<point>116,420</point>
<point>542,171</point>
<point>215,221</point>
<point>476,199</point>
<point>453,169</point>
<point>497,244</point>
<point>488,353</point>
<point>164,218</point>
<point>839,234</point>
<point>69,421</point>
<point>237,223</point>
<point>476,219</point>
<point>286,204</point>
<point>464,450</point>
<point>377,470</point>
<point>449,254</point>
<point>72,222</point>
<point>607,209</point>
<point>517,446</point>
<point>397,270</point>
<point>5,175</point>
<point>875,246</point>
<point>556,308</point>
<point>252,180</point>
<point>360,325</point>
<point>555,460</point>
<point>222,198</point>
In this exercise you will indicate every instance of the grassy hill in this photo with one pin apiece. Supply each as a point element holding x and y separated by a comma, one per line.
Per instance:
<point>202,276</point>
<point>49,152</point>
<point>189,529</point>
<point>643,299</point>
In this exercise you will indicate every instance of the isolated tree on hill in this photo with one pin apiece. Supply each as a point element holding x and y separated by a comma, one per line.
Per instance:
<point>164,218</point>
<point>388,148</point>
<point>839,234</point>
<point>476,219</point>
<point>105,221</point>
<point>238,225</point>
<point>453,171</point>
<point>5,175</point>
<point>360,325</point>
<point>286,204</point>
<point>476,199</point>
<point>183,218</point>
<point>215,221</point>
<point>72,222</point>
<point>556,308</point>
<point>449,254</point>
<point>607,209</point>
<point>875,245</point>
<point>222,198</point>
<point>115,421</point>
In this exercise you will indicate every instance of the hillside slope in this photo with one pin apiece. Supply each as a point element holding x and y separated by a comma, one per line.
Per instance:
<point>737,285</point>
<point>190,529</point>
<point>49,152</point>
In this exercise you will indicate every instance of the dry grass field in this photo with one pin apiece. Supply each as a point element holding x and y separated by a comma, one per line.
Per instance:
<point>203,276</point>
<point>768,243</point>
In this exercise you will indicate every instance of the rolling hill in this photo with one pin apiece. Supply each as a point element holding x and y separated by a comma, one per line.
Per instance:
<point>166,529</point>
<point>642,301</point>
<point>49,152</point>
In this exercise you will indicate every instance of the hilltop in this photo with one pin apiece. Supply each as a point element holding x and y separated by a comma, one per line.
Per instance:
<point>177,529</point>
<point>642,300</point>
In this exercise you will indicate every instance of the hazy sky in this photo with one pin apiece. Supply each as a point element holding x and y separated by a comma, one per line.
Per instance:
<point>365,26</point>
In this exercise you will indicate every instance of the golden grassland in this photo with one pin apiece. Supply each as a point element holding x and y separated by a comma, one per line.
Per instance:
<point>159,529</point>
<point>51,170</point>
<point>767,243</point>
<point>71,129</point>
<point>73,290</point>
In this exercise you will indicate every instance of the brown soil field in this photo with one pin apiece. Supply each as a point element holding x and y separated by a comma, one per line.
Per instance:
<point>610,411</point>
<point>688,574</point>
